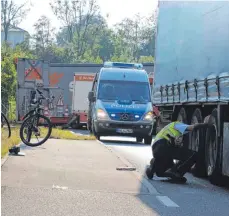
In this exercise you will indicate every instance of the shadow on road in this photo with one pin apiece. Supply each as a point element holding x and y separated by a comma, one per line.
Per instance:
<point>198,192</point>
<point>23,147</point>
<point>80,131</point>
<point>123,143</point>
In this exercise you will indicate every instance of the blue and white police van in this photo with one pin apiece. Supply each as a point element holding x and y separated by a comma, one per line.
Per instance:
<point>120,102</point>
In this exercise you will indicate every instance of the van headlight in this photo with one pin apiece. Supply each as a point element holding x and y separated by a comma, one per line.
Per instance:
<point>148,116</point>
<point>101,114</point>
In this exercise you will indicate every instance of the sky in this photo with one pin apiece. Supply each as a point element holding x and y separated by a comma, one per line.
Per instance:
<point>117,10</point>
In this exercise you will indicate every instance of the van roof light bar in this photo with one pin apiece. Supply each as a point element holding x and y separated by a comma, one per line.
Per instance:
<point>123,65</point>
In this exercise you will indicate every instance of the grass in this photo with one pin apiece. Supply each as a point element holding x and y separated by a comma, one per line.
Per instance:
<point>65,134</point>
<point>57,133</point>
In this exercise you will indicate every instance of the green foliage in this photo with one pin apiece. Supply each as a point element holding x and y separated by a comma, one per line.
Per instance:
<point>8,71</point>
<point>146,59</point>
<point>86,38</point>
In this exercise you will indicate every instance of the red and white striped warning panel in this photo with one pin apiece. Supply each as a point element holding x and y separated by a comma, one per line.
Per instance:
<point>60,102</point>
<point>66,113</point>
<point>85,77</point>
<point>46,111</point>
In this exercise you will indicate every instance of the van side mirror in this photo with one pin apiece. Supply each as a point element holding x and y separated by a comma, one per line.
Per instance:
<point>91,96</point>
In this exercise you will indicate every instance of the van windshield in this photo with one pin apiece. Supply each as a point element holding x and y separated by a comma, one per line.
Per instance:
<point>124,90</point>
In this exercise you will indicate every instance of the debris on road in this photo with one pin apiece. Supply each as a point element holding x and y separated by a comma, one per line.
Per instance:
<point>126,168</point>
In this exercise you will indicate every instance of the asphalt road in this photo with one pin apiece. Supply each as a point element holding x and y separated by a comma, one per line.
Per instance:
<point>68,177</point>
<point>196,197</point>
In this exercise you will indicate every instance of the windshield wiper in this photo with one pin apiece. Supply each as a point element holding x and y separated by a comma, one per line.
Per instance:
<point>102,99</point>
<point>140,101</point>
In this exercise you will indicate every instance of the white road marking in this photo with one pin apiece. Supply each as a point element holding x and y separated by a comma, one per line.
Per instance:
<point>167,201</point>
<point>122,139</point>
<point>59,187</point>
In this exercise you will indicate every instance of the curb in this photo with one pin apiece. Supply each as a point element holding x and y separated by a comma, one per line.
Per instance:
<point>4,159</point>
<point>152,190</point>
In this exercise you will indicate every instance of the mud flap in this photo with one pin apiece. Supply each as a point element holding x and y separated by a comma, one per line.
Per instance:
<point>225,161</point>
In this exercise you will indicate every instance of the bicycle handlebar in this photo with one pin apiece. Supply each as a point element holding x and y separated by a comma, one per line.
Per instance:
<point>43,97</point>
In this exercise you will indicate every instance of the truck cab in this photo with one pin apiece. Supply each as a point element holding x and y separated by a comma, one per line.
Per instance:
<point>120,102</point>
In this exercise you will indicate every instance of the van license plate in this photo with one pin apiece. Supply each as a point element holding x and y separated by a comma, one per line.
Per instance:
<point>124,130</point>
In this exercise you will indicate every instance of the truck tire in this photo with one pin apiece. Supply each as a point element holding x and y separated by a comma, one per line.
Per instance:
<point>213,151</point>
<point>157,126</point>
<point>197,143</point>
<point>148,139</point>
<point>182,117</point>
<point>139,139</point>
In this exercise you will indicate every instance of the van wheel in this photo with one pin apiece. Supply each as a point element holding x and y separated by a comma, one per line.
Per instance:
<point>148,140</point>
<point>212,151</point>
<point>97,137</point>
<point>139,139</point>
<point>197,143</point>
<point>89,126</point>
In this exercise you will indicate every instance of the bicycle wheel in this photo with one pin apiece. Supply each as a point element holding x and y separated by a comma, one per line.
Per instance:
<point>35,130</point>
<point>4,121</point>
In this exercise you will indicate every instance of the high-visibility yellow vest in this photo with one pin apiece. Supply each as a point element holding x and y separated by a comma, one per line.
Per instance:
<point>168,130</point>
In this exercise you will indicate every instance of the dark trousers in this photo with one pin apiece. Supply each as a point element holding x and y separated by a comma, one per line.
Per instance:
<point>164,153</point>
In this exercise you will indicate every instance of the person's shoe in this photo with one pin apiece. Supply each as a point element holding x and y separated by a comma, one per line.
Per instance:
<point>179,180</point>
<point>172,174</point>
<point>152,162</point>
<point>175,176</point>
<point>149,172</point>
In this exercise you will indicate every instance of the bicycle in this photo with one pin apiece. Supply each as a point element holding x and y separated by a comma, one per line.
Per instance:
<point>5,120</point>
<point>32,120</point>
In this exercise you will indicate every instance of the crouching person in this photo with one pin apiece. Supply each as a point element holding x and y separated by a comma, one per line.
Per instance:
<point>165,151</point>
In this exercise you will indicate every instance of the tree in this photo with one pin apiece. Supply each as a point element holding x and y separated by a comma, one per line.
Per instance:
<point>44,37</point>
<point>131,32</point>
<point>137,36</point>
<point>11,15</point>
<point>149,31</point>
<point>146,59</point>
<point>106,46</point>
<point>82,23</point>
<point>8,71</point>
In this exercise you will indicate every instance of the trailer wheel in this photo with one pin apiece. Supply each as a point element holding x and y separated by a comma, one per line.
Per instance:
<point>182,117</point>
<point>75,124</point>
<point>197,144</point>
<point>157,126</point>
<point>212,151</point>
